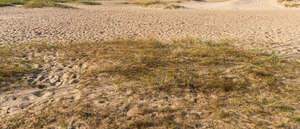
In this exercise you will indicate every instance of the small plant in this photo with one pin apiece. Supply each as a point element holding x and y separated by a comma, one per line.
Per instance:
<point>296,118</point>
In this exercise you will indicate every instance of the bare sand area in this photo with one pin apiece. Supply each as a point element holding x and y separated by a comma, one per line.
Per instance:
<point>251,20</point>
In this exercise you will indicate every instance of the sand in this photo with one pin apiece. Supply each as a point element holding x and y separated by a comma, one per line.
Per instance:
<point>258,24</point>
<point>230,20</point>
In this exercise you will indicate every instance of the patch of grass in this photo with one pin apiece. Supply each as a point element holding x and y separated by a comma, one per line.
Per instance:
<point>261,124</point>
<point>182,72</point>
<point>83,115</point>
<point>170,68</point>
<point>284,108</point>
<point>284,1</point>
<point>5,3</point>
<point>16,63</point>
<point>12,2</point>
<point>172,6</point>
<point>225,114</point>
<point>146,3</point>
<point>166,5</point>
<point>90,3</point>
<point>198,66</point>
<point>296,118</point>
<point>44,3</point>
<point>290,3</point>
<point>59,114</point>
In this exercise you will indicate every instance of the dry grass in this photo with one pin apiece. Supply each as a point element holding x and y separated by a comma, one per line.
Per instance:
<point>183,84</point>
<point>156,3</point>
<point>290,3</point>
<point>90,3</point>
<point>196,66</point>
<point>16,63</point>
<point>12,2</point>
<point>212,0</point>
<point>297,119</point>
<point>45,3</point>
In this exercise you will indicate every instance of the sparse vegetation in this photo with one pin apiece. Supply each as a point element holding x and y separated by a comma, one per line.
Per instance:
<point>297,119</point>
<point>90,3</point>
<point>15,65</point>
<point>196,66</point>
<point>290,3</point>
<point>172,6</point>
<point>12,2</point>
<point>156,3</point>
<point>146,3</point>
<point>166,85</point>
<point>45,3</point>
<point>4,3</point>
<point>284,108</point>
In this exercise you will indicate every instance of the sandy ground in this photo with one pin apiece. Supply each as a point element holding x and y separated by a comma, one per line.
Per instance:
<point>236,5</point>
<point>244,20</point>
<point>252,21</point>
